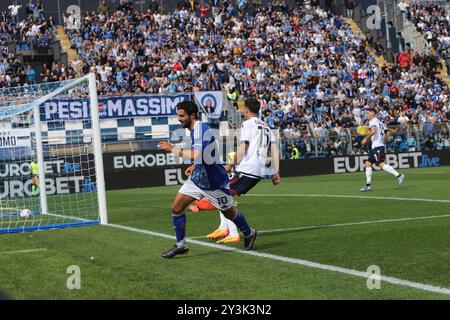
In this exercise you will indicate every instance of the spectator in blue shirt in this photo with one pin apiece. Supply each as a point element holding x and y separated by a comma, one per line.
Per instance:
<point>31,73</point>
<point>270,120</point>
<point>411,142</point>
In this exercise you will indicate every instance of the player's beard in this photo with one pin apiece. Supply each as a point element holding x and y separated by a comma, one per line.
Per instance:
<point>186,124</point>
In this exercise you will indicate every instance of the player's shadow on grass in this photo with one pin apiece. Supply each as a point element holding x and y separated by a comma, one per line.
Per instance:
<point>258,247</point>
<point>407,187</point>
<point>193,254</point>
<point>270,245</point>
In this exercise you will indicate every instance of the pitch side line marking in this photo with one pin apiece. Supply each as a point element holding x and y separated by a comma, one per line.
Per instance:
<point>346,224</point>
<point>24,251</point>
<point>342,196</point>
<point>315,265</point>
<point>431,172</point>
<point>305,195</point>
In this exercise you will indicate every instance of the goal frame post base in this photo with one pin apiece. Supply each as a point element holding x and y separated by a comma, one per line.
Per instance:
<point>49,227</point>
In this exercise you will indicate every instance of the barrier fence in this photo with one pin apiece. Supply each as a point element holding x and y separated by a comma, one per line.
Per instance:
<point>153,168</point>
<point>138,164</point>
<point>321,143</point>
<point>332,151</point>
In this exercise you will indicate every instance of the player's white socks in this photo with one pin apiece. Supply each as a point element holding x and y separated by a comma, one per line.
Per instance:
<point>182,244</point>
<point>223,221</point>
<point>232,228</point>
<point>226,223</point>
<point>390,170</point>
<point>369,175</point>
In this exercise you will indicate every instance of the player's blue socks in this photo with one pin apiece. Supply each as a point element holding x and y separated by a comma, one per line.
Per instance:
<point>179,225</point>
<point>241,223</point>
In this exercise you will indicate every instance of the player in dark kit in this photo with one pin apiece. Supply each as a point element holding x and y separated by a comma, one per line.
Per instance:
<point>249,165</point>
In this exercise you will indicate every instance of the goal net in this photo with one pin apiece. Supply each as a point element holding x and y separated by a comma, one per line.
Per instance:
<point>51,166</point>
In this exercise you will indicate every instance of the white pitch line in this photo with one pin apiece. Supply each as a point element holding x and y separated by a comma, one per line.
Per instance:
<point>305,195</point>
<point>342,196</point>
<point>346,224</point>
<point>357,223</point>
<point>431,172</point>
<point>23,251</point>
<point>306,263</point>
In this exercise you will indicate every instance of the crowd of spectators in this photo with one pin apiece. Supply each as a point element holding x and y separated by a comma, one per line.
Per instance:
<point>313,75</point>
<point>135,52</point>
<point>433,20</point>
<point>32,31</point>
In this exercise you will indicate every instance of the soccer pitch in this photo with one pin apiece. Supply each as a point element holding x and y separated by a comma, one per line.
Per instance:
<point>318,236</point>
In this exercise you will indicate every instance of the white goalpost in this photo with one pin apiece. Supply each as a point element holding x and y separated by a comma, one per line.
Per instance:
<point>51,164</point>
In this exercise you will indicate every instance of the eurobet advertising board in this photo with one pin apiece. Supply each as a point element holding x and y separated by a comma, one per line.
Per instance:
<point>157,168</point>
<point>397,161</point>
<point>142,169</point>
<point>64,175</point>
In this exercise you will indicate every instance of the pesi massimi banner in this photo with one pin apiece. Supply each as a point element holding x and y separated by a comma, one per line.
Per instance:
<point>113,107</point>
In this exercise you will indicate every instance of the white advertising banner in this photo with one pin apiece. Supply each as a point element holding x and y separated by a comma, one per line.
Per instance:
<point>15,138</point>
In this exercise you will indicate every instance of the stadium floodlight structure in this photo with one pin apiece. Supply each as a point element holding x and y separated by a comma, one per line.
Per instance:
<point>68,189</point>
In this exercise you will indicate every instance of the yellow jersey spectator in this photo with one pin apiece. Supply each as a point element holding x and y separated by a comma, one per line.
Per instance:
<point>34,169</point>
<point>295,154</point>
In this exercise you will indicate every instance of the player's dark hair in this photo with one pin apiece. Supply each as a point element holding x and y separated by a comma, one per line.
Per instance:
<point>189,107</point>
<point>252,104</point>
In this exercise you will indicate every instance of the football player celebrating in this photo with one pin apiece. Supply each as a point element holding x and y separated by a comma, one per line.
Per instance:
<point>207,179</point>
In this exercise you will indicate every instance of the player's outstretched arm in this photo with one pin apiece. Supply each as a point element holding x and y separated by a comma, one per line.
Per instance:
<point>190,170</point>
<point>182,153</point>
<point>276,179</point>
<point>228,167</point>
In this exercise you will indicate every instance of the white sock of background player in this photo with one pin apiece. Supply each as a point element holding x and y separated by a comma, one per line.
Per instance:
<point>390,170</point>
<point>369,175</point>
<point>232,228</point>
<point>223,221</point>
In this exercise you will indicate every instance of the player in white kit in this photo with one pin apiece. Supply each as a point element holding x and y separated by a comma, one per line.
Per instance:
<point>377,133</point>
<point>250,164</point>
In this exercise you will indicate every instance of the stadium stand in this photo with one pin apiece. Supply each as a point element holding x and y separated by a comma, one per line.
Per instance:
<point>432,19</point>
<point>313,71</point>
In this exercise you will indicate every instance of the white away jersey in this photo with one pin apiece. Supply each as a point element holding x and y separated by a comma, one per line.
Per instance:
<point>378,137</point>
<point>259,137</point>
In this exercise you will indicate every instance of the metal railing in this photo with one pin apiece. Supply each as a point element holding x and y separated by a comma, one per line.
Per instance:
<point>234,114</point>
<point>33,47</point>
<point>310,144</point>
<point>324,143</point>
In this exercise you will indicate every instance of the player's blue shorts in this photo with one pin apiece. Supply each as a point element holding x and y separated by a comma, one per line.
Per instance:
<point>377,155</point>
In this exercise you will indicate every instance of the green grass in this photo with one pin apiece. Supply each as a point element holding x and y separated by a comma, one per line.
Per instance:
<point>127,265</point>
